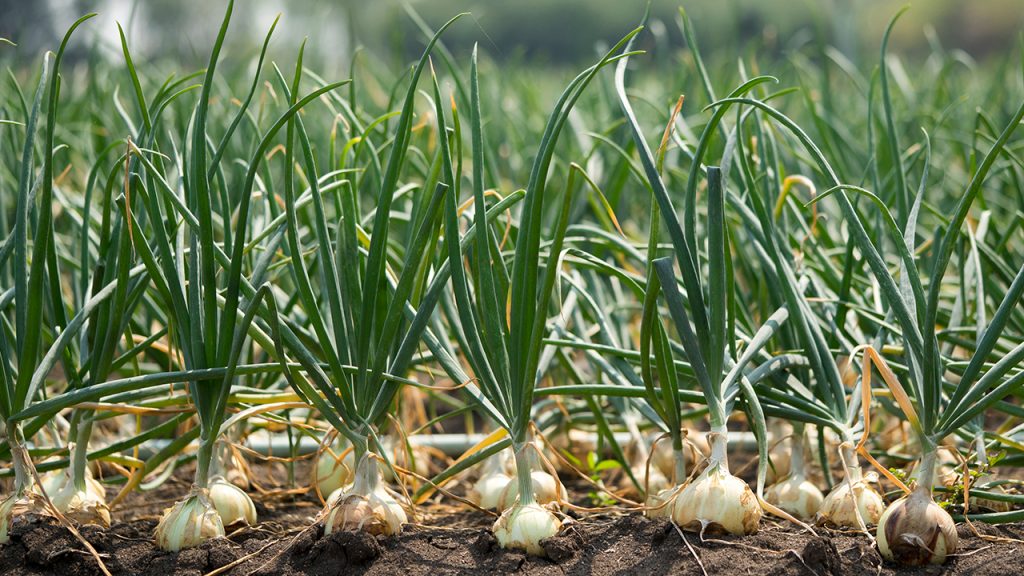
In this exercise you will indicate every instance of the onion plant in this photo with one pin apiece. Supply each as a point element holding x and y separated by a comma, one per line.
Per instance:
<point>716,498</point>
<point>366,316</point>
<point>504,345</point>
<point>823,400</point>
<point>914,530</point>
<point>190,271</point>
<point>223,259</point>
<point>108,290</point>
<point>37,285</point>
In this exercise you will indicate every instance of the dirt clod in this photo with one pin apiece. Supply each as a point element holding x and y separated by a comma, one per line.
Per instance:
<point>821,553</point>
<point>484,543</point>
<point>560,548</point>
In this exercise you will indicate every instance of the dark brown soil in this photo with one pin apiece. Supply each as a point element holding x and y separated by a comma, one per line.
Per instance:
<point>598,545</point>
<point>449,541</point>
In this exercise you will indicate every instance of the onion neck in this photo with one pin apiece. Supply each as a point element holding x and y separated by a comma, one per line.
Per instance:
<point>21,461</point>
<point>524,473</point>
<point>204,458</point>
<point>982,451</point>
<point>850,463</point>
<point>718,439</point>
<point>367,476</point>
<point>679,457</point>
<point>925,475</point>
<point>796,457</point>
<point>80,452</point>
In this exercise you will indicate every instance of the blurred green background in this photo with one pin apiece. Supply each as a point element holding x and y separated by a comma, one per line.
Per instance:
<point>554,32</point>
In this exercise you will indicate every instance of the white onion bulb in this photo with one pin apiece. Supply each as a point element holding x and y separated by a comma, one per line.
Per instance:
<point>55,480</point>
<point>642,468</point>
<point>795,495</point>
<point>654,482</point>
<point>377,513</point>
<point>487,490</point>
<point>333,470</point>
<point>232,503</point>
<point>52,481</point>
<point>523,527</point>
<point>718,500</point>
<point>189,523</point>
<point>780,436</point>
<point>840,506</point>
<point>88,506</point>
<point>661,503</point>
<point>7,516</point>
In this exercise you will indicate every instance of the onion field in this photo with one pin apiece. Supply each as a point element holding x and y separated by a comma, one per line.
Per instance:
<point>675,311</point>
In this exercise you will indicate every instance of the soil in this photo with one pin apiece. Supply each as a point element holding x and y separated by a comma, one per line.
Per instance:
<point>448,540</point>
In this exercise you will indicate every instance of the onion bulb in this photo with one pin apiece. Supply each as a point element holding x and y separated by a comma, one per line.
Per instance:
<point>53,481</point>
<point>366,505</point>
<point>523,527</point>
<point>653,482</point>
<point>914,530</point>
<point>660,504</point>
<point>650,479</point>
<point>334,469</point>
<point>717,499</point>
<point>661,494</point>
<point>546,490</point>
<point>526,521</point>
<point>841,505</point>
<point>232,503</point>
<point>487,490</point>
<point>7,516</point>
<point>795,495</point>
<point>189,522</point>
<point>852,503</point>
<point>85,506</point>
